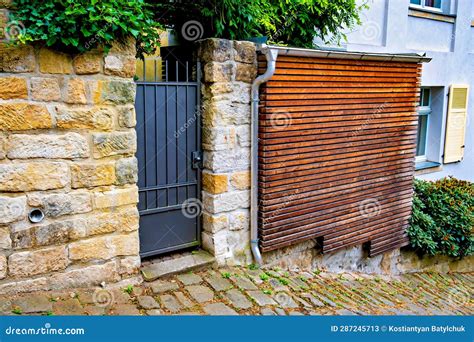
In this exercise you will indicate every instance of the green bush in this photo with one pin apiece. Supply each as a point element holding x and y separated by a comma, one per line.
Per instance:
<point>443,217</point>
<point>80,25</point>
<point>295,22</point>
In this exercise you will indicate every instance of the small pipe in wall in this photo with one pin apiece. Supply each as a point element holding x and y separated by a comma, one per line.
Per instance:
<point>271,56</point>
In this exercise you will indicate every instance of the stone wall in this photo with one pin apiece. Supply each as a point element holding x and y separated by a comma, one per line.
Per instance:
<point>67,147</point>
<point>229,68</point>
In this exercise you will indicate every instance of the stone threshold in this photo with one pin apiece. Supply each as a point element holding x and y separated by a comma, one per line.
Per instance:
<point>169,265</point>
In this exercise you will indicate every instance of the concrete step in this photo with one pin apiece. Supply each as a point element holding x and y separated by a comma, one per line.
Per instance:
<point>192,261</point>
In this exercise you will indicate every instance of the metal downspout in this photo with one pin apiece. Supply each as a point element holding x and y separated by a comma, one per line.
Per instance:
<point>271,56</point>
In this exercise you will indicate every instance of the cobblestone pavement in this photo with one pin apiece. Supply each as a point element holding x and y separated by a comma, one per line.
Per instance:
<point>261,292</point>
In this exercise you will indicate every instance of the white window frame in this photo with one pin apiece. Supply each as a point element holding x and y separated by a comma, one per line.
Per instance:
<point>425,111</point>
<point>423,6</point>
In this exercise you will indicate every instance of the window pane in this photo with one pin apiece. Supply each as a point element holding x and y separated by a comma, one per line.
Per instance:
<point>415,2</point>
<point>421,137</point>
<point>425,97</point>
<point>433,3</point>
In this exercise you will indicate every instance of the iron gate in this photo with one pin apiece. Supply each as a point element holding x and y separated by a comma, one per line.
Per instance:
<point>169,154</point>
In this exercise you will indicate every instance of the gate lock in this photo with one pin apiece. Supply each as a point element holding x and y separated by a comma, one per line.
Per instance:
<point>197,160</point>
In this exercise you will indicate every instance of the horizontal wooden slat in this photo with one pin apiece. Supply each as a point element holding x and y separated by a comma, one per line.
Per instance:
<point>333,133</point>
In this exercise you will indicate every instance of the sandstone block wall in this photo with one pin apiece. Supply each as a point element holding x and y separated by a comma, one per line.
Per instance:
<point>229,68</point>
<point>67,145</point>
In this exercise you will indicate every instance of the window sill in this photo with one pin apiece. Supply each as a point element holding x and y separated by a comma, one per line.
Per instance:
<point>433,15</point>
<point>424,167</point>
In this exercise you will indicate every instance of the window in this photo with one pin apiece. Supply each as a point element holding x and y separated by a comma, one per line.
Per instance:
<point>424,111</point>
<point>427,4</point>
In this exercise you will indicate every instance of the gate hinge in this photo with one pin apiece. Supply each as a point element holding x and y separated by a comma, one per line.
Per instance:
<point>197,160</point>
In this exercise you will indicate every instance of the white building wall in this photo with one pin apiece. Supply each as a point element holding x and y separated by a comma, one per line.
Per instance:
<point>389,27</point>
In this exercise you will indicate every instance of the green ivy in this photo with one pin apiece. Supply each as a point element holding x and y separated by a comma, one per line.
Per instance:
<point>81,25</point>
<point>443,217</point>
<point>286,22</point>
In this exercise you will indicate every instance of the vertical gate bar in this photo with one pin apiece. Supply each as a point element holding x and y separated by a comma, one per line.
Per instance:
<point>187,74</point>
<point>144,132</point>
<point>166,75</point>
<point>186,135</point>
<point>177,72</point>
<point>155,71</point>
<point>176,140</point>
<point>198,143</point>
<point>166,140</point>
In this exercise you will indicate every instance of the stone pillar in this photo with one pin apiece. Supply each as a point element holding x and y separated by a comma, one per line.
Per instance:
<point>229,68</point>
<point>67,145</point>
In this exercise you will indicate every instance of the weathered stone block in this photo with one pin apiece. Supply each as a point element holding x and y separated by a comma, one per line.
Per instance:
<point>85,276</point>
<point>124,220</point>
<point>76,91</point>
<point>129,265</point>
<point>88,175</point>
<point>246,72</point>
<point>126,171</point>
<point>239,220</point>
<point>104,247</point>
<point>218,138</point>
<point>114,92</point>
<point>59,232</point>
<point>55,205</point>
<point>33,176</point>
<point>16,58</point>
<point>53,62</point>
<point>240,180</point>
<point>12,209</point>
<point>25,264</point>
<point>45,89</point>
<point>226,202</point>
<point>245,52</point>
<point>120,65</point>
<point>13,88</point>
<point>67,146</point>
<point>5,239</point>
<point>100,118</point>
<point>127,116</point>
<point>3,143</point>
<point>219,50</point>
<point>219,72</point>
<point>116,197</point>
<point>23,116</point>
<point>215,223</point>
<point>225,113</point>
<point>214,183</point>
<point>3,266</point>
<point>227,161</point>
<point>87,63</point>
<point>243,135</point>
<point>111,144</point>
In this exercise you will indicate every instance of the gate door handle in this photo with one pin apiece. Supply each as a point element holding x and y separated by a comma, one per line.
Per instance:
<point>197,160</point>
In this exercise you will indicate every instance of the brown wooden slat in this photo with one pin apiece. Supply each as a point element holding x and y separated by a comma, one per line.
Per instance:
<point>348,134</point>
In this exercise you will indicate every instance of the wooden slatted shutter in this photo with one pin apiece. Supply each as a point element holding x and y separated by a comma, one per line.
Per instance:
<point>337,141</point>
<point>456,124</point>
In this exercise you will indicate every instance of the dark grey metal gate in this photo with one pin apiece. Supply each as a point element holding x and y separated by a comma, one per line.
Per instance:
<point>169,151</point>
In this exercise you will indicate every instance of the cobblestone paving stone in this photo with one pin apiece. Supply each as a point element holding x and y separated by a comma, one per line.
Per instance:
<point>243,291</point>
